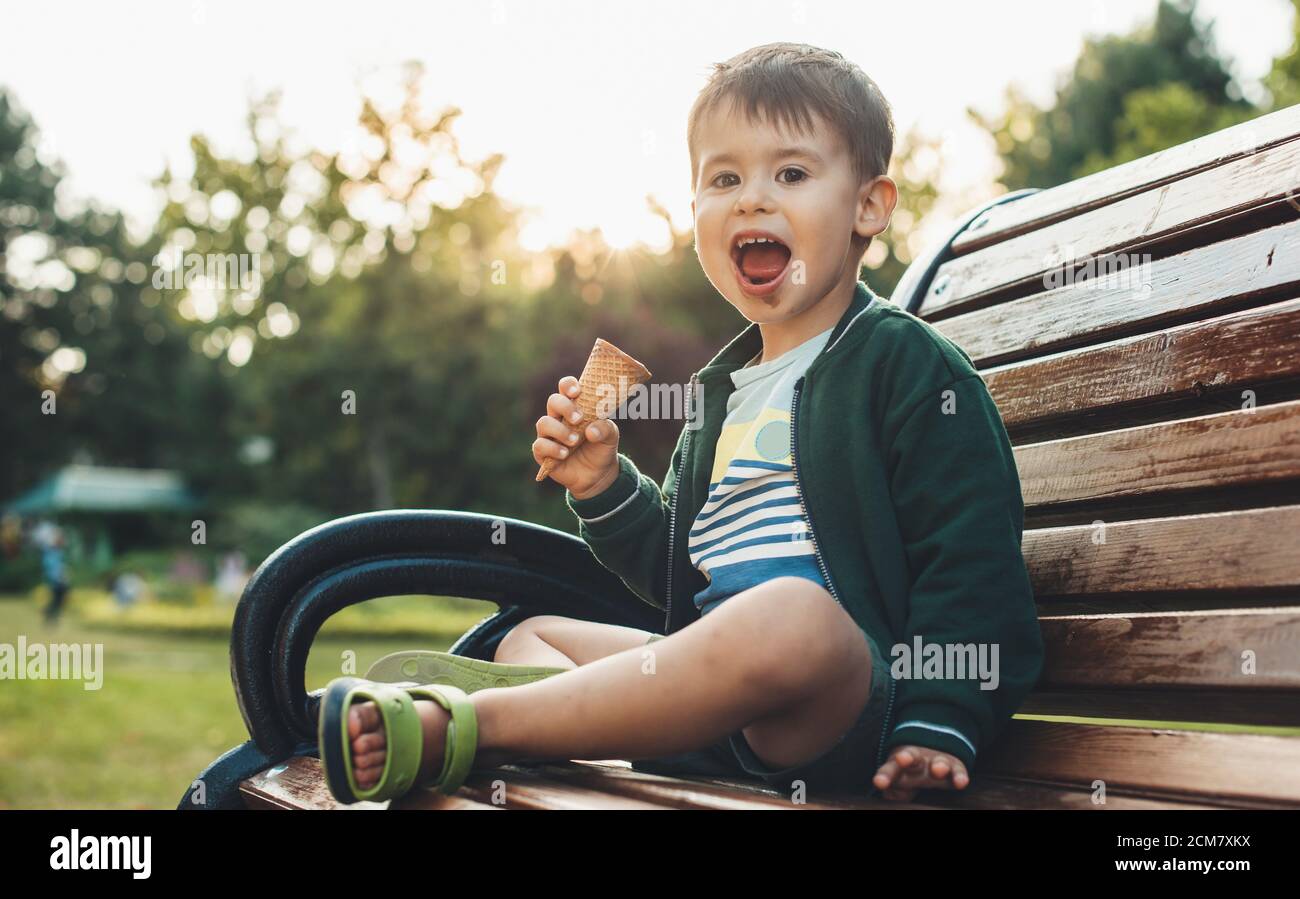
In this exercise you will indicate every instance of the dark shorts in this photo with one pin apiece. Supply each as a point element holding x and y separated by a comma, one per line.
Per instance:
<point>847,766</point>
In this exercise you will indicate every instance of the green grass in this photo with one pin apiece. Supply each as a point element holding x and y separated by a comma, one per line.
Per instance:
<point>166,708</point>
<point>413,617</point>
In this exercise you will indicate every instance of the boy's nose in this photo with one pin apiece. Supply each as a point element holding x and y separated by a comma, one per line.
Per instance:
<point>754,199</point>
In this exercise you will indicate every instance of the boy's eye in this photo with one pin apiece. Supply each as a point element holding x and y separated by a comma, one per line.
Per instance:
<point>800,172</point>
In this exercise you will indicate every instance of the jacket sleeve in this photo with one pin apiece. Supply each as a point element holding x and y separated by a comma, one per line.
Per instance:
<point>626,526</point>
<point>957,499</point>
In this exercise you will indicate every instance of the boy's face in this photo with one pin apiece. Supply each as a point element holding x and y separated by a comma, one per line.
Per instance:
<point>797,188</point>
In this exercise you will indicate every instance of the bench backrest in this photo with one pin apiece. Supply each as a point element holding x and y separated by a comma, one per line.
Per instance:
<point>1155,414</point>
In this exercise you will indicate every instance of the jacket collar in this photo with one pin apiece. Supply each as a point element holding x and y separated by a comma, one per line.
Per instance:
<point>745,345</point>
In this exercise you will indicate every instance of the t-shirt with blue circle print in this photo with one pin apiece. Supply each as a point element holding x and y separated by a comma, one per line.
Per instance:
<point>751,528</point>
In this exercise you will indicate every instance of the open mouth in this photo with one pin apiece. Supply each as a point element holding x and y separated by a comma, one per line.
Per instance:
<point>761,260</point>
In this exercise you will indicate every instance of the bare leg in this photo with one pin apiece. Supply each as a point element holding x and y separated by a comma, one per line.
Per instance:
<point>560,642</point>
<point>782,661</point>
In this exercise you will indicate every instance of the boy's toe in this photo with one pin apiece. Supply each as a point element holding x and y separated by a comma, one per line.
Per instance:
<point>372,741</point>
<point>362,717</point>
<point>370,759</point>
<point>367,768</point>
<point>355,727</point>
<point>369,747</point>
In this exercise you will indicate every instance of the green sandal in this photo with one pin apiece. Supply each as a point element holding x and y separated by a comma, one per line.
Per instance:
<point>422,666</point>
<point>404,738</point>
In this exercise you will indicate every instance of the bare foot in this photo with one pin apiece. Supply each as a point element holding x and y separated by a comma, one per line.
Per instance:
<point>369,743</point>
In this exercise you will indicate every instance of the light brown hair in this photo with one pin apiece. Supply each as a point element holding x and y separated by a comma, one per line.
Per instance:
<point>785,82</point>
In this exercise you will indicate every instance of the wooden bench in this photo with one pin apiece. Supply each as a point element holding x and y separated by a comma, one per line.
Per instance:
<point>1156,424</point>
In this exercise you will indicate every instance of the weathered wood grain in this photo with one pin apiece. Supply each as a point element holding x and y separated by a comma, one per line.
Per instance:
<point>1200,283</point>
<point>1248,769</point>
<point>1100,188</point>
<point>1135,224</point>
<point>1244,350</point>
<point>1239,550</point>
<point>1228,449</point>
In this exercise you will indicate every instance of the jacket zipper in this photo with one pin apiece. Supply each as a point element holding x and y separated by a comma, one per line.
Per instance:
<point>803,506</point>
<point>677,491</point>
<point>821,563</point>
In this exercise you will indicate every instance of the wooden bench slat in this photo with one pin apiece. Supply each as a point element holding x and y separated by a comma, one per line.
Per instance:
<point>1237,550</point>
<point>1201,649</point>
<point>1238,351</point>
<point>1197,283</point>
<point>711,793</point>
<point>1247,446</point>
<point>1137,224</point>
<point>985,792</point>
<point>1104,187</point>
<point>995,793</point>
<point>1250,769</point>
<point>295,784</point>
<point>519,787</point>
<point>1252,708</point>
<point>299,784</point>
<point>606,782</point>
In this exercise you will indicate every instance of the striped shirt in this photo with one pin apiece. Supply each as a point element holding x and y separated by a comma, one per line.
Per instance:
<point>752,528</point>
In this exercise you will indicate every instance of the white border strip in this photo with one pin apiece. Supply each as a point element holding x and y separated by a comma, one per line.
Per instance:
<point>941,728</point>
<point>614,510</point>
<point>870,303</point>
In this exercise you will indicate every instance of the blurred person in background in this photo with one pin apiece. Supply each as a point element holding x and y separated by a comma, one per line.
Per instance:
<point>232,575</point>
<point>55,573</point>
<point>127,588</point>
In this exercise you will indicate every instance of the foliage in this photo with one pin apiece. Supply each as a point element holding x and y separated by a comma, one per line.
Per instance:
<point>1283,81</point>
<point>1126,96</point>
<point>73,321</point>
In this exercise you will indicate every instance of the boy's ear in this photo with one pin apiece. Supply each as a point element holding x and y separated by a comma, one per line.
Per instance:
<point>876,205</point>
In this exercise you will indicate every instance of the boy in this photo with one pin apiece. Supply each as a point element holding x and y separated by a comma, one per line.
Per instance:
<point>850,488</point>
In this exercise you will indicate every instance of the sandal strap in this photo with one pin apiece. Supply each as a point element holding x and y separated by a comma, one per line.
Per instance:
<point>462,735</point>
<point>402,734</point>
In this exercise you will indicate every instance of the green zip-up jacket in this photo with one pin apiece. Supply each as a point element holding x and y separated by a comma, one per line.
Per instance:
<point>913,501</point>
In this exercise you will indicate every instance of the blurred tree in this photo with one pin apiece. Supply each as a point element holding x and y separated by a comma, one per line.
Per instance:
<point>1283,82</point>
<point>915,169</point>
<point>1127,96</point>
<point>80,332</point>
<point>371,344</point>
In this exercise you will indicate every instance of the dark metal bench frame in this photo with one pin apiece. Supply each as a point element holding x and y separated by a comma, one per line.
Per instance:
<point>536,570</point>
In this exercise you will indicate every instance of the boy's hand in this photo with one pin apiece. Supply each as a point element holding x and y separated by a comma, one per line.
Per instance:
<point>912,768</point>
<point>593,466</point>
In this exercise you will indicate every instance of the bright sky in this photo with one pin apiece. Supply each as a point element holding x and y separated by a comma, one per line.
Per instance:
<point>587,100</point>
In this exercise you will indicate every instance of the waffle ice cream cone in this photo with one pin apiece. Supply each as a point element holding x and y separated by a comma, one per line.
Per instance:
<point>607,379</point>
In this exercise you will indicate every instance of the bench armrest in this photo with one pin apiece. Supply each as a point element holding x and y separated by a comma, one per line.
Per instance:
<point>909,293</point>
<point>527,568</point>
